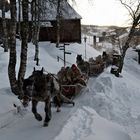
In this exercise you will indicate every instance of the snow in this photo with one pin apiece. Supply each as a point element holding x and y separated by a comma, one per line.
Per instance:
<point>107,109</point>
<point>138,47</point>
<point>7,14</point>
<point>123,36</point>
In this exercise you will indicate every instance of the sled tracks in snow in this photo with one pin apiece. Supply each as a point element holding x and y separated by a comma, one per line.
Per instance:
<point>10,117</point>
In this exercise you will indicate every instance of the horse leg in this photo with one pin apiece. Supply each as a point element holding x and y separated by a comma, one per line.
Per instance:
<point>34,110</point>
<point>48,113</point>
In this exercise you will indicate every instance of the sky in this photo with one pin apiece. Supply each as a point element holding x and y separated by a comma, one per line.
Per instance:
<point>102,12</point>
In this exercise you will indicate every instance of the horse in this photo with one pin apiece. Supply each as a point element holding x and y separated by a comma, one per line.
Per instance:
<point>83,65</point>
<point>107,58</point>
<point>96,69</point>
<point>43,87</point>
<point>40,87</point>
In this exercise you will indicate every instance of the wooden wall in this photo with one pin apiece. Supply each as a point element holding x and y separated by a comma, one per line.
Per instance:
<point>70,31</point>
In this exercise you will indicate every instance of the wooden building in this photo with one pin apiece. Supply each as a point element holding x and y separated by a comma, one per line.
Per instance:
<point>70,23</point>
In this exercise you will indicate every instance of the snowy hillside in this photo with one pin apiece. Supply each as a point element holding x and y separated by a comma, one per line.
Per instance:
<point>107,109</point>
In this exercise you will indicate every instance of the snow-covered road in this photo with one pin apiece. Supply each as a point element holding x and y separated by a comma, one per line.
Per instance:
<point>107,109</point>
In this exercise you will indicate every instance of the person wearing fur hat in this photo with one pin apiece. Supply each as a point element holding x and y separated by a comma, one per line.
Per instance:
<point>74,75</point>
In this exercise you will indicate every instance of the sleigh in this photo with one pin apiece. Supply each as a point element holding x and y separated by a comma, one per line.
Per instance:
<point>96,69</point>
<point>70,91</point>
<point>91,67</point>
<point>71,85</point>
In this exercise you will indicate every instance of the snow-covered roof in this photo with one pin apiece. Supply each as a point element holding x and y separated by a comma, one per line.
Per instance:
<point>50,12</point>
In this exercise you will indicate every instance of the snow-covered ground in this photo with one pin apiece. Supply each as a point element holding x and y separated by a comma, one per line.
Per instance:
<point>107,109</point>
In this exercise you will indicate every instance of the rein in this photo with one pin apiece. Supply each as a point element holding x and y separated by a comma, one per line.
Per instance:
<point>53,77</point>
<point>56,81</point>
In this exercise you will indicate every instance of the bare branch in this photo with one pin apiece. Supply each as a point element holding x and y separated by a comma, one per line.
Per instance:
<point>129,8</point>
<point>138,8</point>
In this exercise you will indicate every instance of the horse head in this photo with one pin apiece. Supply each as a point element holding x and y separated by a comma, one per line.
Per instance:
<point>79,59</point>
<point>37,73</point>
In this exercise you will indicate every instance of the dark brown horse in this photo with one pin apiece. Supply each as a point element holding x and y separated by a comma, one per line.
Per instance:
<point>40,87</point>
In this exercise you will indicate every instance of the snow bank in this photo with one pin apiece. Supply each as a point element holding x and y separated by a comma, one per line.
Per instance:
<point>86,124</point>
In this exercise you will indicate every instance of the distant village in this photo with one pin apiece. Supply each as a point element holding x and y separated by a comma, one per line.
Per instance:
<point>98,36</point>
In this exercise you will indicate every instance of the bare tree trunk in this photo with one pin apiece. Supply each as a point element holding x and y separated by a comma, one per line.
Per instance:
<point>24,45</point>
<point>58,24</point>
<point>37,45</point>
<point>5,32</point>
<point>126,46</point>
<point>36,27</point>
<point>12,46</point>
<point>19,18</point>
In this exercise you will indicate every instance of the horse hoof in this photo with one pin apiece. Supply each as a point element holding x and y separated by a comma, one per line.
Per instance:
<point>58,110</point>
<point>73,103</point>
<point>45,124</point>
<point>38,117</point>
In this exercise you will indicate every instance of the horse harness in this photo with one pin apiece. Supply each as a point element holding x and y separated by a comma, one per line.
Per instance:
<point>37,94</point>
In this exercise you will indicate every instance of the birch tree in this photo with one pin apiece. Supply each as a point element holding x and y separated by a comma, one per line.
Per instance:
<point>19,18</point>
<point>16,83</point>
<point>5,31</point>
<point>58,23</point>
<point>36,4</point>
<point>12,51</point>
<point>24,44</point>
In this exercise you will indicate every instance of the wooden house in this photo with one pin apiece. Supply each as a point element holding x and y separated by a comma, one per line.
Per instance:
<point>70,23</point>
